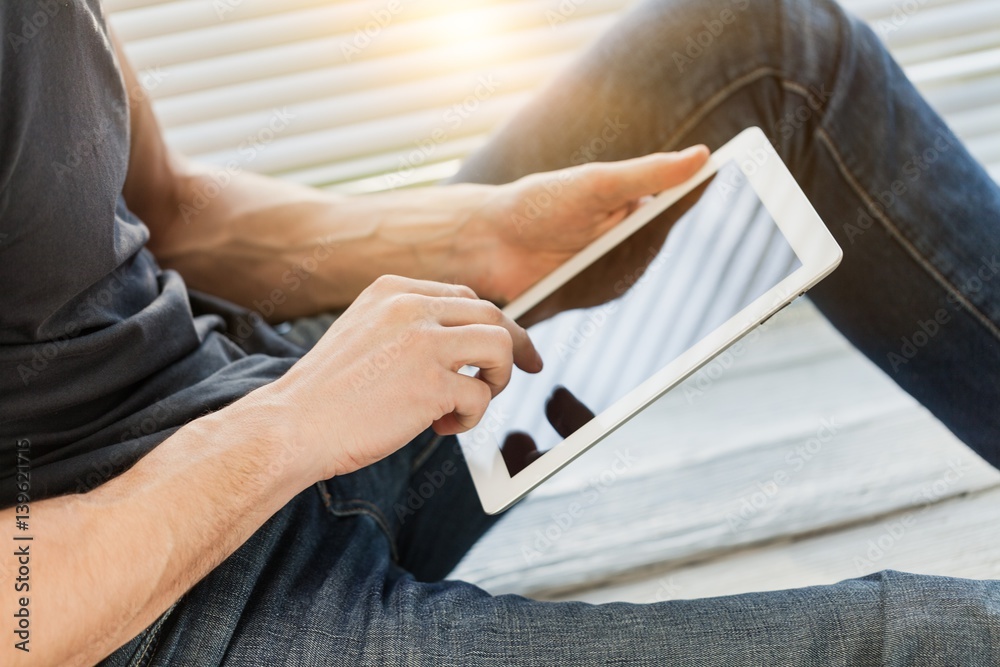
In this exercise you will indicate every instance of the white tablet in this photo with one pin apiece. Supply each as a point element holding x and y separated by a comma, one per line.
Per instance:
<point>746,243</point>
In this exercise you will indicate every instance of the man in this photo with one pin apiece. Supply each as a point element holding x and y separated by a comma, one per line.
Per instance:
<point>203,492</point>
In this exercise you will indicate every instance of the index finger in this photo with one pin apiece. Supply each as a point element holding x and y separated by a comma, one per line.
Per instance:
<point>457,312</point>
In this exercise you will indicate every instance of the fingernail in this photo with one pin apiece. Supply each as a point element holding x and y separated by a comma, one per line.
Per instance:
<point>692,151</point>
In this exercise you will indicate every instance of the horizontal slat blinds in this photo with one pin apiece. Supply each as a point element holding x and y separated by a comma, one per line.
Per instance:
<point>360,96</point>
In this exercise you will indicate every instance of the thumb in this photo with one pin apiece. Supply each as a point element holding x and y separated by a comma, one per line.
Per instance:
<point>630,180</point>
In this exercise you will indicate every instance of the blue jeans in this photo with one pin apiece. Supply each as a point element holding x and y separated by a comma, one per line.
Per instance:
<point>347,573</point>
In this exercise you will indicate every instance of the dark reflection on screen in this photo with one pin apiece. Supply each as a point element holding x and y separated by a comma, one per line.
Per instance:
<point>654,301</point>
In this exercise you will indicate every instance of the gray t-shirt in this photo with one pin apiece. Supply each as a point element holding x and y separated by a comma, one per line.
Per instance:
<point>102,354</point>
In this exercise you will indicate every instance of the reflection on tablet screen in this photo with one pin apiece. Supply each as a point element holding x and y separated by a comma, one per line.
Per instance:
<point>654,303</point>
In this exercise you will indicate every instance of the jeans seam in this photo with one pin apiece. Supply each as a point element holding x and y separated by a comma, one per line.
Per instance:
<point>362,507</point>
<point>425,453</point>
<point>716,100</point>
<point>897,234</point>
<point>152,639</point>
<point>798,88</point>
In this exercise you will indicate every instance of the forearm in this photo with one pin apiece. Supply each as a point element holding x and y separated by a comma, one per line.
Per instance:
<point>303,251</point>
<point>104,565</point>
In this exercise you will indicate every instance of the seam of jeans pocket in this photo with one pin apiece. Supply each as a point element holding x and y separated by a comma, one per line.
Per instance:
<point>900,238</point>
<point>425,453</point>
<point>358,507</point>
<point>146,650</point>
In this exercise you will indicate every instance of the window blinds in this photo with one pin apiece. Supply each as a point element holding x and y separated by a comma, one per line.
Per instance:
<point>361,96</point>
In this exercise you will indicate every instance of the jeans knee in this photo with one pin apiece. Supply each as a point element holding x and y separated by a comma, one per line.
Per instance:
<point>802,40</point>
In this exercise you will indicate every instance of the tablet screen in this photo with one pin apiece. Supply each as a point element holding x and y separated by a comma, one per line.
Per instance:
<point>649,302</point>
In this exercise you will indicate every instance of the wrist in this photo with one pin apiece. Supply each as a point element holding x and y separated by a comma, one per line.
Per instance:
<point>267,446</point>
<point>478,244</point>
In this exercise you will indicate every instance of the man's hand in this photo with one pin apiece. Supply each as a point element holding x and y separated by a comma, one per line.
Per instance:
<point>540,221</point>
<point>388,369</point>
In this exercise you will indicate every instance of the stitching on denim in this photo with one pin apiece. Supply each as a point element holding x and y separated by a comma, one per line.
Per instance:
<point>900,238</point>
<point>333,505</point>
<point>141,660</point>
<point>324,494</point>
<point>148,641</point>
<point>760,72</point>
<point>426,453</point>
<point>377,517</point>
<point>716,100</point>
<point>152,639</point>
<point>344,508</point>
<point>793,86</point>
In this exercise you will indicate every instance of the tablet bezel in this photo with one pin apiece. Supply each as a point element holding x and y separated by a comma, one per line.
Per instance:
<point>797,220</point>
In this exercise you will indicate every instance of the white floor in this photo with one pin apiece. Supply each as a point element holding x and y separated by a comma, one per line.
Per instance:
<point>798,463</point>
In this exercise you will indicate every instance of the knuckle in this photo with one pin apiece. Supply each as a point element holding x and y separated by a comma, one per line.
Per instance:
<point>483,397</point>
<point>495,339</point>
<point>464,292</point>
<point>477,401</point>
<point>492,313</point>
<point>503,339</point>
<point>435,340</point>
<point>440,393</point>
<point>406,302</point>
<point>438,385</point>
<point>592,174</point>
<point>387,282</point>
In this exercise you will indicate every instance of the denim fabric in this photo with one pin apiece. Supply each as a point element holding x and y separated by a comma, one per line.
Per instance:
<point>351,572</point>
